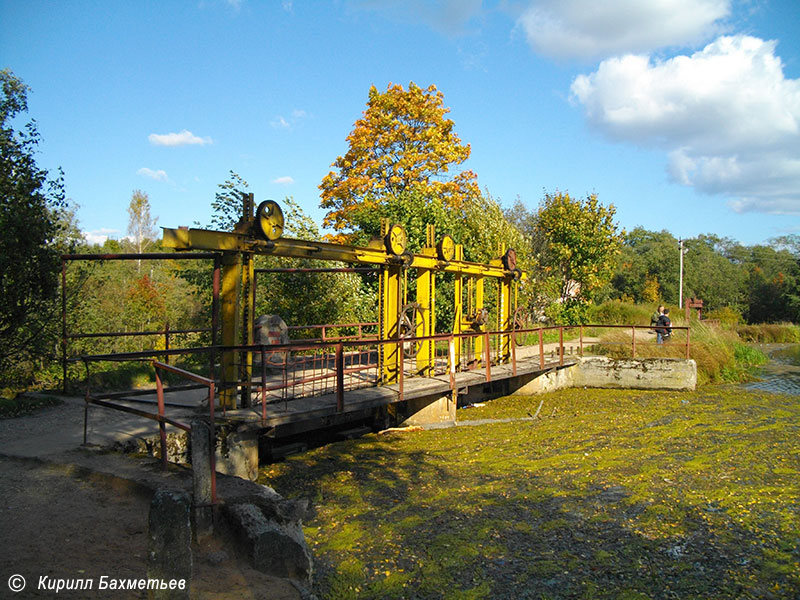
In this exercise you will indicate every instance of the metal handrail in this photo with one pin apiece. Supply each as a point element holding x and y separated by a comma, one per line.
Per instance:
<point>337,353</point>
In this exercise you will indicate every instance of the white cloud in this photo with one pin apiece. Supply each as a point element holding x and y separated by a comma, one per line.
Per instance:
<point>280,122</point>
<point>159,175</point>
<point>184,138</point>
<point>728,117</point>
<point>98,236</point>
<point>283,180</point>
<point>596,29</point>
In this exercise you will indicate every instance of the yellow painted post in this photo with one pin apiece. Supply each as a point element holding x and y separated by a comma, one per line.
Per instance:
<point>426,298</point>
<point>229,300</point>
<point>391,358</point>
<point>478,339</point>
<point>426,318</point>
<point>248,324</point>
<point>504,317</point>
<point>458,309</point>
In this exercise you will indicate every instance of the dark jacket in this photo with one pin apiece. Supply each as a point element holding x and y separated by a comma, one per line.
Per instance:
<point>664,325</point>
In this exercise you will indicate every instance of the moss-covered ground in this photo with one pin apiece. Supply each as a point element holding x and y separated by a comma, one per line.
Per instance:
<point>606,494</point>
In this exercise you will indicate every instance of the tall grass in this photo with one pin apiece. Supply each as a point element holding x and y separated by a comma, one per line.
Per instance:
<point>770,333</point>
<point>720,352</point>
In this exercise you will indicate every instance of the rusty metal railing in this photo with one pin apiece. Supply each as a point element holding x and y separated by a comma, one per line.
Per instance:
<point>289,372</point>
<point>160,416</point>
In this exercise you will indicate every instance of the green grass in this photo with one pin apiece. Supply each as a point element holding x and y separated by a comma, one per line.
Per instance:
<point>610,494</point>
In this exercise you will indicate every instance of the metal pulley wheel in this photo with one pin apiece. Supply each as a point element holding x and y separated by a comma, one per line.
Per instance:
<point>269,220</point>
<point>408,326</point>
<point>479,319</point>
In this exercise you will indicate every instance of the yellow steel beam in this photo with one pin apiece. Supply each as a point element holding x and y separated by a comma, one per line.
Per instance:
<point>426,318</point>
<point>201,239</point>
<point>478,339</point>
<point>458,308</point>
<point>229,297</point>
<point>391,359</point>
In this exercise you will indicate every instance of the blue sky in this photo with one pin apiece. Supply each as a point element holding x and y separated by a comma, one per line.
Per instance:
<point>685,114</point>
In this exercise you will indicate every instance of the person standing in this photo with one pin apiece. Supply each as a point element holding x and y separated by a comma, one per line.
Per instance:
<point>656,316</point>
<point>663,327</point>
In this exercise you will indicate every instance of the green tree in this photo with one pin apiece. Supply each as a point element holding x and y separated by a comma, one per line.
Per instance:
<point>582,243</point>
<point>30,207</point>
<point>226,209</point>
<point>647,257</point>
<point>712,273</point>
<point>142,230</point>
<point>402,143</point>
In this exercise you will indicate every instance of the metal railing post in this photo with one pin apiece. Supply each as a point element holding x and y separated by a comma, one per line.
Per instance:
<point>541,349</point>
<point>162,428</point>
<point>166,341</point>
<point>263,385</point>
<point>561,346</point>
<point>687,343</point>
<point>581,342</point>
<point>487,351</point>
<point>452,352</point>
<point>401,348</point>
<point>339,375</point>
<point>514,357</point>
<point>633,341</point>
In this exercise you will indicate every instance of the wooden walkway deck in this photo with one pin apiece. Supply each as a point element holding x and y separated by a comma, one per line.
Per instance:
<point>303,414</point>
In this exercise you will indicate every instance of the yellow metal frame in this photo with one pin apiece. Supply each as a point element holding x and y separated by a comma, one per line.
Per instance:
<point>237,308</point>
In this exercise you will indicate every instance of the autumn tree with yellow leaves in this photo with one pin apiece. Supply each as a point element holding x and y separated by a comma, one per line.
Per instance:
<point>402,144</point>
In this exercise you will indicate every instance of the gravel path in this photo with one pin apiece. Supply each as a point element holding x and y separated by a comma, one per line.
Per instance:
<point>58,521</point>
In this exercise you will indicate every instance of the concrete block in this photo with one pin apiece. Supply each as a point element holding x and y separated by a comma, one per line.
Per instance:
<point>201,476</point>
<point>430,410</point>
<point>637,373</point>
<point>169,551</point>
<point>237,452</point>
<point>275,548</point>
<point>529,385</point>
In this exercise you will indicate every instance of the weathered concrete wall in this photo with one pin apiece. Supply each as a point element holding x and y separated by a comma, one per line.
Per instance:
<point>601,372</point>
<point>639,373</point>
<point>430,410</point>
<point>528,385</point>
<point>237,452</point>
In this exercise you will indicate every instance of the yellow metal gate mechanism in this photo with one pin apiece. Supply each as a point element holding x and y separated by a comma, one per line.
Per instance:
<point>261,233</point>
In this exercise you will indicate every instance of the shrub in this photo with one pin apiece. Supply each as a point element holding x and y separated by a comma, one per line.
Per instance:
<point>725,315</point>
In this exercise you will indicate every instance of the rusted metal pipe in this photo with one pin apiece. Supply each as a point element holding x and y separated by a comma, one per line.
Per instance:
<point>162,430</point>
<point>633,341</point>
<point>687,343</point>
<point>541,349</point>
<point>339,377</point>
<point>487,351</point>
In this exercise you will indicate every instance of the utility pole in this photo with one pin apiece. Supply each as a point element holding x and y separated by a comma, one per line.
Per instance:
<point>680,284</point>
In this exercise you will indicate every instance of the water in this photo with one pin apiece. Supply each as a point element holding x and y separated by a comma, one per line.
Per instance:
<point>782,373</point>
